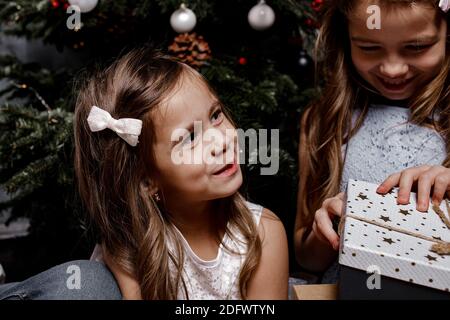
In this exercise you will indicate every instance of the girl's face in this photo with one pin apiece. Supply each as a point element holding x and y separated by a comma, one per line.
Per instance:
<point>404,55</point>
<point>196,146</point>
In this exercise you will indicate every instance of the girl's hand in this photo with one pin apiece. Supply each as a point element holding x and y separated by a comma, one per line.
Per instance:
<point>323,224</point>
<point>426,177</point>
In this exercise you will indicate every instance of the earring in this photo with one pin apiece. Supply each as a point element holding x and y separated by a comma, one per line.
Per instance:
<point>156,197</point>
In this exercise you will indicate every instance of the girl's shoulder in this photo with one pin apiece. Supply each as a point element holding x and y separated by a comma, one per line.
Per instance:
<point>256,210</point>
<point>262,214</point>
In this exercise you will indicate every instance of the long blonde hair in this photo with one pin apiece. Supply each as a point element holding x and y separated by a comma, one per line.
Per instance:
<point>113,177</point>
<point>326,123</point>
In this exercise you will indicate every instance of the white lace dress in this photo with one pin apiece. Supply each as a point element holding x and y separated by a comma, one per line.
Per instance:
<point>387,143</point>
<point>216,279</point>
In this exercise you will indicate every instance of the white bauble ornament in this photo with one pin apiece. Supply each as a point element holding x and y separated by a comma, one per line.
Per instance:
<point>84,5</point>
<point>183,20</point>
<point>261,16</point>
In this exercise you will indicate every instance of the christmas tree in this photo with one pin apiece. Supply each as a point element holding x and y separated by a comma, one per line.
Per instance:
<point>260,68</point>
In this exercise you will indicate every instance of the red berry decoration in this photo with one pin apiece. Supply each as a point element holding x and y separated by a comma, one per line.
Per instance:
<point>317,5</point>
<point>312,23</point>
<point>55,3</point>
<point>242,61</point>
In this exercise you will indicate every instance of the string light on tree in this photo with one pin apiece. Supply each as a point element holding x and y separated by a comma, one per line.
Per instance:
<point>304,60</point>
<point>183,20</point>
<point>261,16</point>
<point>84,5</point>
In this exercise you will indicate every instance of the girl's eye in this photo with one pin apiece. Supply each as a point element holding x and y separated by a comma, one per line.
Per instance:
<point>418,47</point>
<point>369,48</point>
<point>217,116</point>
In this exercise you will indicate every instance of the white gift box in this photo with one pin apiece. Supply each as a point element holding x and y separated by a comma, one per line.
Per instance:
<point>378,234</point>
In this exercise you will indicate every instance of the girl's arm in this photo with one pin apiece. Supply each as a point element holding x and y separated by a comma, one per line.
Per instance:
<point>128,285</point>
<point>316,247</point>
<point>270,280</point>
<point>311,252</point>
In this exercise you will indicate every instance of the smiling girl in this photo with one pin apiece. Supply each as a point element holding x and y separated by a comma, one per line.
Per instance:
<point>383,117</point>
<point>171,229</point>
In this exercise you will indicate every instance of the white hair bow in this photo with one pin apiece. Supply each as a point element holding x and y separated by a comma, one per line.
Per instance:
<point>444,5</point>
<point>127,128</point>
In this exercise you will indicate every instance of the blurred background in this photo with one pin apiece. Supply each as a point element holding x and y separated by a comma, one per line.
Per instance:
<point>256,54</point>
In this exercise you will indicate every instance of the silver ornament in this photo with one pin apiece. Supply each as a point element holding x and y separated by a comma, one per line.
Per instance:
<point>183,20</point>
<point>84,5</point>
<point>261,16</point>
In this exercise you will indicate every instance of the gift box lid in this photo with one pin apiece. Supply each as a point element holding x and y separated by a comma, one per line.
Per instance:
<point>396,240</point>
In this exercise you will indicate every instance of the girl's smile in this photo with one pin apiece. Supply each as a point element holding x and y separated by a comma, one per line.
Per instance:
<point>227,170</point>
<point>396,86</point>
<point>404,55</point>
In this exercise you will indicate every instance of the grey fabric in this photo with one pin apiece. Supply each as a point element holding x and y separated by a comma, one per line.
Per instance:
<point>94,282</point>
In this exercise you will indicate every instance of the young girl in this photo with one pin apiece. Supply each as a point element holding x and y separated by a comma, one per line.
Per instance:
<point>384,115</point>
<point>171,229</point>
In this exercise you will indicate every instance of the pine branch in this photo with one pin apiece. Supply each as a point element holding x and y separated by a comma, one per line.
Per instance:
<point>33,176</point>
<point>39,86</point>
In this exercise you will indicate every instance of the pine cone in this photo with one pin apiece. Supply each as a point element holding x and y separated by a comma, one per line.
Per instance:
<point>191,49</point>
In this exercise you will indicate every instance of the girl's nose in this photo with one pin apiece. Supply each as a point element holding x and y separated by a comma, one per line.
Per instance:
<point>220,142</point>
<point>394,69</point>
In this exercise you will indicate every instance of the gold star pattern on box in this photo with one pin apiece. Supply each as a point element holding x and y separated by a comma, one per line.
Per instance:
<point>404,212</point>
<point>362,196</point>
<point>380,232</point>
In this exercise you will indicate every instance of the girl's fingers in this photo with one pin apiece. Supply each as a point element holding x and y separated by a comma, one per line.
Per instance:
<point>426,176</point>
<point>404,180</point>
<point>441,184</point>
<point>423,191</point>
<point>318,233</point>
<point>325,228</point>
<point>334,206</point>
<point>341,196</point>
<point>389,183</point>
<point>425,183</point>
<point>407,179</point>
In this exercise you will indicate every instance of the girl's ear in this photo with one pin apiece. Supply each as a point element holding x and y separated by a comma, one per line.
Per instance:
<point>151,186</point>
<point>153,190</point>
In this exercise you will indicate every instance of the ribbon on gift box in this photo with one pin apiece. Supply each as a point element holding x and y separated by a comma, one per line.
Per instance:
<point>440,247</point>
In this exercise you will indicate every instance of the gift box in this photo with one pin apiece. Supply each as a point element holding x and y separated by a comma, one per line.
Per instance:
<point>392,251</point>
